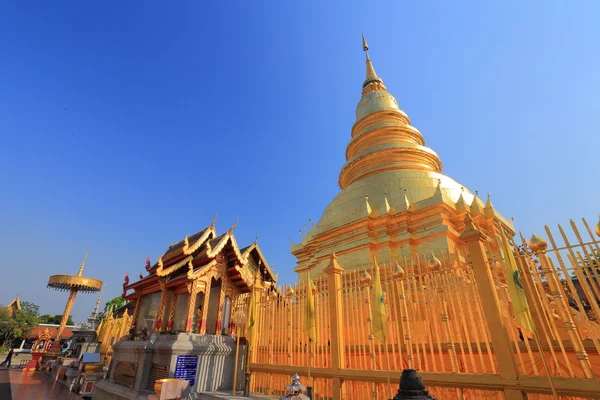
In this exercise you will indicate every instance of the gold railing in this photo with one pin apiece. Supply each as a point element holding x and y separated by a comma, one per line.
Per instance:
<point>453,317</point>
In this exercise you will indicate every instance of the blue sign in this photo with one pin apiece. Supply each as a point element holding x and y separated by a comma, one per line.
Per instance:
<point>186,368</point>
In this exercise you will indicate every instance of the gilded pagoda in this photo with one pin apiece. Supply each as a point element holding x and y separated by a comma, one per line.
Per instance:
<point>395,201</point>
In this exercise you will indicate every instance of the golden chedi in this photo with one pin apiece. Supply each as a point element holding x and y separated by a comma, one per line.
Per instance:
<point>395,201</point>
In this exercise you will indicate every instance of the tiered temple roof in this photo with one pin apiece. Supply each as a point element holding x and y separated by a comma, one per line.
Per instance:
<point>193,257</point>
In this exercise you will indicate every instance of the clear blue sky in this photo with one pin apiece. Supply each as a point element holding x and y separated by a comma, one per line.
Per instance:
<point>125,125</point>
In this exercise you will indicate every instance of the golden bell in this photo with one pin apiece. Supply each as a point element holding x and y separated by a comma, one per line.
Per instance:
<point>433,263</point>
<point>290,292</point>
<point>365,279</point>
<point>398,272</point>
<point>273,294</point>
<point>537,243</point>
<point>598,226</point>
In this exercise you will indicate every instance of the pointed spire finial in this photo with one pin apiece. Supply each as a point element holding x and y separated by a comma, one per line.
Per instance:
<point>80,273</point>
<point>234,225</point>
<point>369,209</point>
<point>372,77</point>
<point>489,207</point>
<point>388,208</point>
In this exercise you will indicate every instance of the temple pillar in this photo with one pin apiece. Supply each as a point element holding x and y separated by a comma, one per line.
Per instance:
<point>161,307</point>
<point>205,307</point>
<point>193,288</point>
<point>136,310</point>
<point>220,313</point>
<point>171,313</point>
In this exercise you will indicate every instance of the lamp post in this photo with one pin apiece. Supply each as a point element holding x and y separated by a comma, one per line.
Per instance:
<point>239,319</point>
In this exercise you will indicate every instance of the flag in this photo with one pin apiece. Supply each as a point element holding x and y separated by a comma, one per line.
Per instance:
<point>251,316</point>
<point>515,287</point>
<point>378,324</point>
<point>310,324</point>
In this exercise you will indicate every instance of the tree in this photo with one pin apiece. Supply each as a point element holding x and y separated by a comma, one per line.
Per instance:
<point>115,303</point>
<point>17,325</point>
<point>31,308</point>
<point>590,268</point>
<point>54,319</point>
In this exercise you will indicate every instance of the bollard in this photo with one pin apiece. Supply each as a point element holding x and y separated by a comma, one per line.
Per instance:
<point>247,384</point>
<point>412,387</point>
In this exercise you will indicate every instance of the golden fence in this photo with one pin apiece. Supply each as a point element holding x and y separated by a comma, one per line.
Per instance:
<point>110,331</point>
<point>452,317</point>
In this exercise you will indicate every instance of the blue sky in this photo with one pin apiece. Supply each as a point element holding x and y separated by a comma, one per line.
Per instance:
<point>125,125</point>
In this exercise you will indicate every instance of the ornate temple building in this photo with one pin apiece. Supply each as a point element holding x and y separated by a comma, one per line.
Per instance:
<point>194,284</point>
<point>395,201</point>
<point>180,316</point>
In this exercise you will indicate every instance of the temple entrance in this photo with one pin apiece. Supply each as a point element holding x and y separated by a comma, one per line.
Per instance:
<point>226,314</point>
<point>197,321</point>
<point>213,310</point>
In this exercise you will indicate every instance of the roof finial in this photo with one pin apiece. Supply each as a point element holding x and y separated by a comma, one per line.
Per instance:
<point>80,273</point>
<point>234,225</point>
<point>365,45</point>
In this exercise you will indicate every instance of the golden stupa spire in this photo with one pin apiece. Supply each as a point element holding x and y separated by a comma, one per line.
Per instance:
<point>372,81</point>
<point>80,273</point>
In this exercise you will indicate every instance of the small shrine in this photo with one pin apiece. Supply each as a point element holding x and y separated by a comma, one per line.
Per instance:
<point>183,315</point>
<point>38,350</point>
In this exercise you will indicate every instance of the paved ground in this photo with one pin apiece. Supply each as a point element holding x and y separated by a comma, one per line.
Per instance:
<point>4,385</point>
<point>229,396</point>
<point>17,385</point>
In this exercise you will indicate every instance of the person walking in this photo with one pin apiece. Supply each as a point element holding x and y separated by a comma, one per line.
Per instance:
<point>8,358</point>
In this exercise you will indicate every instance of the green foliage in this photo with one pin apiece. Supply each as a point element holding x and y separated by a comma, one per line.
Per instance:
<point>590,268</point>
<point>115,303</point>
<point>54,319</point>
<point>17,325</point>
<point>31,308</point>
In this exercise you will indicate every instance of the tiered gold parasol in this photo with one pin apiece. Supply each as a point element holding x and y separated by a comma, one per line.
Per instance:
<point>72,284</point>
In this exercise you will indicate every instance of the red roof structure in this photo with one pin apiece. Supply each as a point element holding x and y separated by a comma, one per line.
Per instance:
<point>52,329</point>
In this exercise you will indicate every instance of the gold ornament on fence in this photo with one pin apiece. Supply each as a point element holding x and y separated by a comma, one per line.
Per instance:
<point>365,279</point>
<point>398,272</point>
<point>434,263</point>
<point>273,295</point>
<point>290,292</point>
<point>537,243</point>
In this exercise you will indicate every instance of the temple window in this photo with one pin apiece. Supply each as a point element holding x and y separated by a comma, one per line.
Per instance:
<point>226,315</point>
<point>181,310</point>
<point>148,311</point>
